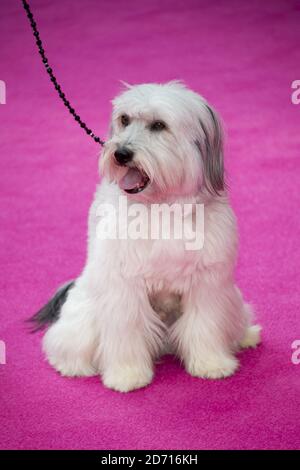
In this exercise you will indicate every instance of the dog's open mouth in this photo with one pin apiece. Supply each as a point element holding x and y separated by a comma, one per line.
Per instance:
<point>134,181</point>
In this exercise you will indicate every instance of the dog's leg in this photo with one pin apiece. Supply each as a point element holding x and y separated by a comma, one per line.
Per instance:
<point>69,343</point>
<point>130,336</point>
<point>211,326</point>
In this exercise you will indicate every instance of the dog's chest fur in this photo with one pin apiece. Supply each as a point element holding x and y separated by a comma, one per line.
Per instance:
<point>166,267</point>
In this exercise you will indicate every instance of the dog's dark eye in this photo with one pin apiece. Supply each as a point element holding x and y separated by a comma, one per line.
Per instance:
<point>158,126</point>
<point>125,121</point>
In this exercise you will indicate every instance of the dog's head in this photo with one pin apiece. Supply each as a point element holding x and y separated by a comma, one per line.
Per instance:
<point>165,141</point>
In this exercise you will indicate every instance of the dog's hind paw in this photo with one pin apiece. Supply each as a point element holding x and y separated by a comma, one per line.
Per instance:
<point>72,368</point>
<point>252,337</point>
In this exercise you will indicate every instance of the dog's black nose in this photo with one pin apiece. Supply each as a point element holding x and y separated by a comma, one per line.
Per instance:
<point>123,155</point>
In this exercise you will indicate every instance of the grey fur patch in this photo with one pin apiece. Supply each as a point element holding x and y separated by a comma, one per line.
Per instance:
<point>211,151</point>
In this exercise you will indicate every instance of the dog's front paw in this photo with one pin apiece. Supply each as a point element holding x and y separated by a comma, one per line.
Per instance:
<point>127,378</point>
<point>213,368</point>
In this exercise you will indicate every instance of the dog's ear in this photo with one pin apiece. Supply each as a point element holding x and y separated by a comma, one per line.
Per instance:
<point>210,146</point>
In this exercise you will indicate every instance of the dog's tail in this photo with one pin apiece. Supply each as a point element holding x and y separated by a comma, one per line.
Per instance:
<point>50,312</point>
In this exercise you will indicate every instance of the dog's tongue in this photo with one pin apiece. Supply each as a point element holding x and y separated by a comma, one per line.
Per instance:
<point>132,179</point>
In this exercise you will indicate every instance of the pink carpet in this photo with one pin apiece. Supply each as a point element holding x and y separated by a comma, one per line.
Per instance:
<point>242,56</point>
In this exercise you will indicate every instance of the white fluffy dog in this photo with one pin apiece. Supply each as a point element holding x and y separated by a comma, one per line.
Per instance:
<point>137,297</point>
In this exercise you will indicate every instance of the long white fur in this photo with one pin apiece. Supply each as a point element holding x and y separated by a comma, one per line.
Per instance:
<point>111,322</point>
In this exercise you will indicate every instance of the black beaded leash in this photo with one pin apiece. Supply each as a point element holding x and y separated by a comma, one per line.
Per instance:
<point>53,78</point>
